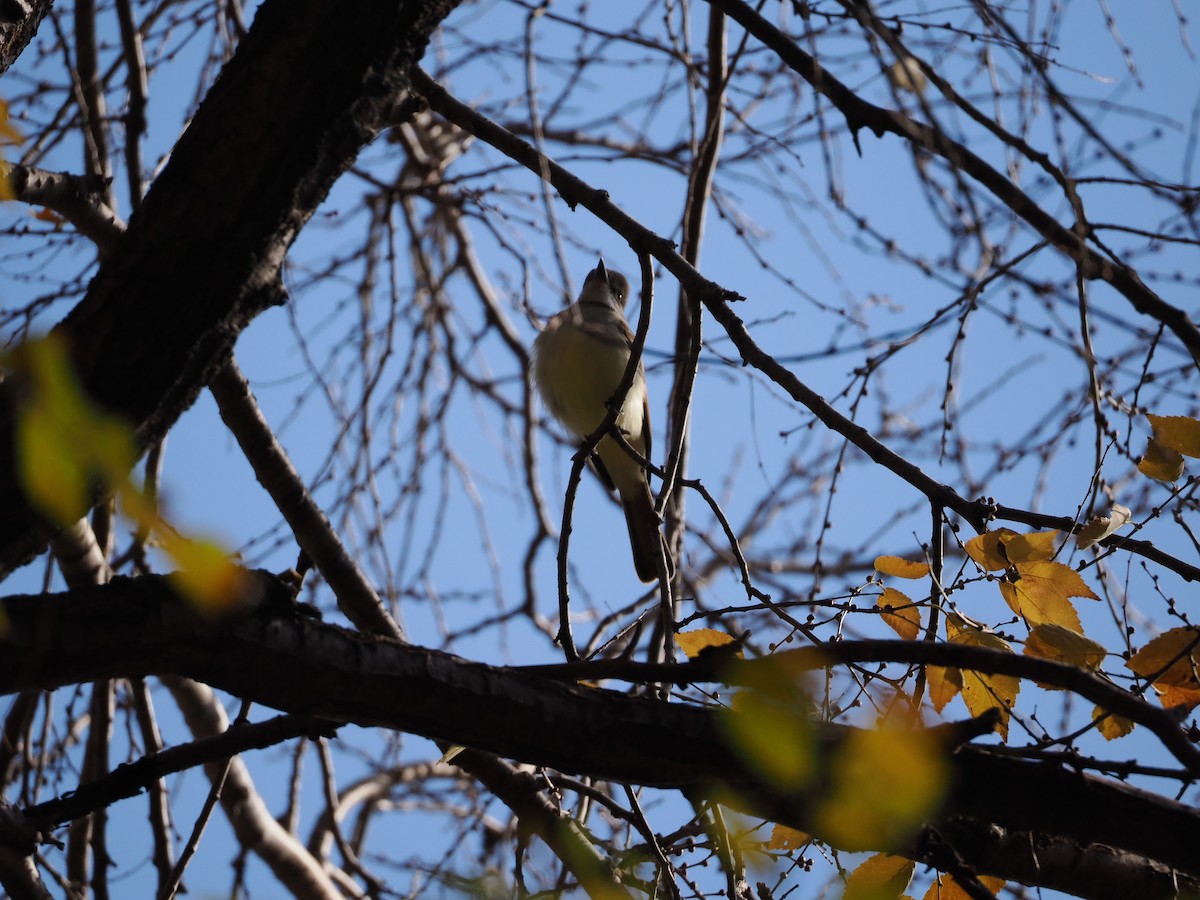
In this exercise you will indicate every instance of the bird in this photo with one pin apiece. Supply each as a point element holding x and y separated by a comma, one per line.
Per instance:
<point>578,361</point>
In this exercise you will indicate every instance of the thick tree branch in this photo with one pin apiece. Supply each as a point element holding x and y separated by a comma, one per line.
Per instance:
<point>307,89</point>
<point>293,663</point>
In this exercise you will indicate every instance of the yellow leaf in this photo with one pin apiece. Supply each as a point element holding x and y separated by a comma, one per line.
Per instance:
<point>944,887</point>
<point>944,684</point>
<point>900,568</point>
<point>1160,462</point>
<point>8,132</point>
<point>695,642</point>
<point>1039,590</point>
<point>1170,661</point>
<point>882,877</point>
<point>784,838</point>
<point>883,783</point>
<point>1100,527</point>
<point>769,725</point>
<point>988,551</point>
<point>981,691</point>
<point>50,470</point>
<point>1050,641</point>
<point>1179,433</point>
<point>899,613</point>
<point>1038,545</point>
<point>206,575</point>
<point>66,448</point>
<point>1109,725</point>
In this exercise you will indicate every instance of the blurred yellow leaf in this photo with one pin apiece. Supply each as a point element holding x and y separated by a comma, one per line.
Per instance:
<point>1038,545</point>
<point>1039,590</point>
<point>881,877</point>
<point>206,575</point>
<point>1170,661</point>
<point>900,568</point>
<point>987,549</point>
<point>883,783</point>
<point>1109,725</point>
<point>900,614</point>
<point>66,448</point>
<point>1100,527</point>
<point>1051,641</point>
<point>9,136</point>
<point>51,472</point>
<point>784,838</point>
<point>944,887</point>
<point>695,642</point>
<point>981,691</point>
<point>769,725</point>
<point>1160,462</point>
<point>1179,433</point>
<point>944,684</point>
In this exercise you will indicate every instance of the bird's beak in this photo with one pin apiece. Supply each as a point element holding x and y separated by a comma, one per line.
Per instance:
<point>600,268</point>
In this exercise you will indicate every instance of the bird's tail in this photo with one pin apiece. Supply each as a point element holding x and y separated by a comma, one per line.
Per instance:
<point>645,534</point>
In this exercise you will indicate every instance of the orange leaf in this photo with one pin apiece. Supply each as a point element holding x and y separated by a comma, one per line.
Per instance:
<point>900,568</point>
<point>694,643</point>
<point>1171,660</point>
<point>1179,433</point>
<point>1109,725</point>
<point>1039,593</point>
<point>988,551</point>
<point>882,877</point>
<point>981,691</point>
<point>1160,462</point>
<point>899,613</point>
<point>944,684</point>
<point>944,887</point>
<point>784,838</point>
<point>1038,545</point>
<point>1050,641</point>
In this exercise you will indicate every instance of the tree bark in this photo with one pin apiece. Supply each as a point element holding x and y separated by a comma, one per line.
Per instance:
<point>1032,822</point>
<point>310,85</point>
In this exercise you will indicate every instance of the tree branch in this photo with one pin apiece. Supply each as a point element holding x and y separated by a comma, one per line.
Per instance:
<point>293,663</point>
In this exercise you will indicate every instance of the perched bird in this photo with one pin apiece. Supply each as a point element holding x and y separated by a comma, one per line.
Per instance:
<point>578,362</point>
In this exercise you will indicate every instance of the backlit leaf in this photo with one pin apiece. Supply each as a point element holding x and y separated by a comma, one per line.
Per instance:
<point>1050,641</point>
<point>903,617</point>
<point>1109,725</point>
<point>769,726</point>
<point>695,642</point>
<point>1179,433</point>
<point>881,877</point>
<point>900,568</point>
<point>982,691</point>
<point>1040,590</point>
<point>988,551</point>
<point>944,684</point>
<point>884,782</point>
<point>206,574</point>
<point>944,887</point>
<point>785,838</point>
<point>1170,661</point>
<point>1038,545</point>
<point>1160,462</point>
